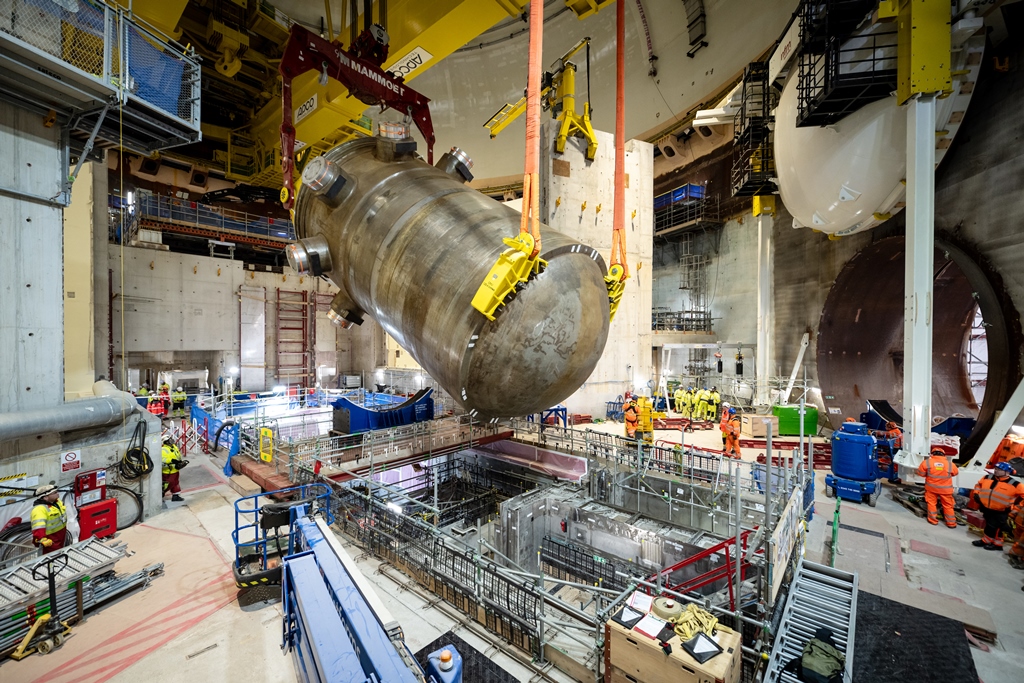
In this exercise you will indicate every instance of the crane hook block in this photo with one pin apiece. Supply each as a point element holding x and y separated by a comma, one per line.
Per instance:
<point>615,281</point>
<point>508,275</point>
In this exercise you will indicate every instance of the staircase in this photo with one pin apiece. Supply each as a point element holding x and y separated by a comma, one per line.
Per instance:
<point>819,596</point>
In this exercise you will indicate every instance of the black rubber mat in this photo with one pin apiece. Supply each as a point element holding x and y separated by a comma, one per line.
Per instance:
<point>897,643</point>
<point>475,667</point>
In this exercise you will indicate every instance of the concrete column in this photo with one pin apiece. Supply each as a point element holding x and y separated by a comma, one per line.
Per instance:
<point>763,358</point>
<point>31,280</point>
<point>100,273</point>
<point>577,199</point>
<point>920,275</point>
<point>79,337</point>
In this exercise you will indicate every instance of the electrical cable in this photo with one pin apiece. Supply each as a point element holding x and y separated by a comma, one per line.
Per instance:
<point>136,462</point>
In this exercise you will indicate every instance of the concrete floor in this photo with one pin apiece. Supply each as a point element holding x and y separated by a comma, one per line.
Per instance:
<point>188,624</point>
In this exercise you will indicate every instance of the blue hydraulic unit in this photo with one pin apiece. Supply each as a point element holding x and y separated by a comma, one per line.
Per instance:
<point>855,473</point>
<point>265,530</point>
<point>335,625</point>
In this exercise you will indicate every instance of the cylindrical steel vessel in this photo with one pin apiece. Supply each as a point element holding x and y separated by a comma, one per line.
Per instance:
<point>409,244</point>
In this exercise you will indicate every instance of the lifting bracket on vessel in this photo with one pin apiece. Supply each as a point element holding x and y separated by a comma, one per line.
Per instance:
<point>306,51</point>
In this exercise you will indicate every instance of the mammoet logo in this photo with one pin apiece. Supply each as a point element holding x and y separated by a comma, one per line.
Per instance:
<point>410,62</point>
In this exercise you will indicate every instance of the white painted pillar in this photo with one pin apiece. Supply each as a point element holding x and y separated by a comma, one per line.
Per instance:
<point>762,358</point>
<point>920,275</point>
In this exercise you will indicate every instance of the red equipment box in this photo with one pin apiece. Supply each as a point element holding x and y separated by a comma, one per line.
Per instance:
<point>97,519</point>
<point>90,487</point>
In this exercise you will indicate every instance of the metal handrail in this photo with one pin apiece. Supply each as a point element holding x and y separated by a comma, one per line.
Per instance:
<point>161,208</point>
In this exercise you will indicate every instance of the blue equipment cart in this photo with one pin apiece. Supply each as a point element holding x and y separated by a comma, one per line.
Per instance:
<point>855,473</point>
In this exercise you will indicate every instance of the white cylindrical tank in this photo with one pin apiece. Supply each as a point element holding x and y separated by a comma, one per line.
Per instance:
<point>835,178</point>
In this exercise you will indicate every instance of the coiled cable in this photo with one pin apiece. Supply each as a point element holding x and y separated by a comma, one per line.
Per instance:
<point>136,461</point>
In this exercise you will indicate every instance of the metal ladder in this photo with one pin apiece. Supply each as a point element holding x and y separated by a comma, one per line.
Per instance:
<point>819,596</point>
<point>88,558</point>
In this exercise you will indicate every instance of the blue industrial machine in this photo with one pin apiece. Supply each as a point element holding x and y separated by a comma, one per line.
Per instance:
<point>335,625</point>
<point>855,472</point>
<point>381,411</point>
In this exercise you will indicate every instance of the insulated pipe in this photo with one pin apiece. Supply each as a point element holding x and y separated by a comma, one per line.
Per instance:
<point>112,406</point>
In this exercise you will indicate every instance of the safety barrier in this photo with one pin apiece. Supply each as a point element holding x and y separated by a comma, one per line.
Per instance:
<point>159,208</point>
<point>107,44</point>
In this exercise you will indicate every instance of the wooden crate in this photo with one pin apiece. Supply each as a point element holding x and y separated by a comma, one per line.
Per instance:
<point>753,425</point>
<point>635,658</point>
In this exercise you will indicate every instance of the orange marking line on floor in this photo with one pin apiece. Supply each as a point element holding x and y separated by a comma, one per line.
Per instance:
<point>190,610</point>
<point>220,553</point>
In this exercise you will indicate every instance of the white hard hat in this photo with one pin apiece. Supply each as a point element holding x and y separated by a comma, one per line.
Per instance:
<point>179,389</point>
<point>166,438</point>
<point>725,404</point>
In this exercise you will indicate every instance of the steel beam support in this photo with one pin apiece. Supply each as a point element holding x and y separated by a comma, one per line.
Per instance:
<point>1005,419</point>
<point>920,276</point>
<point>762,358</point>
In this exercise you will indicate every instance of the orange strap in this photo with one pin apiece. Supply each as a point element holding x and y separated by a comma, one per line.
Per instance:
<point>619,219</point>
<point>531,186</point>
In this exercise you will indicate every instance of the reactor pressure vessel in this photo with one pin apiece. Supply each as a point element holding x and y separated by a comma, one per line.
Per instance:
<point>409,244</point>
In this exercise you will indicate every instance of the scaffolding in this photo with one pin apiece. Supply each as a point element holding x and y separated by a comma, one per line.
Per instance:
<point>753,167</point>
<point>840,71</point>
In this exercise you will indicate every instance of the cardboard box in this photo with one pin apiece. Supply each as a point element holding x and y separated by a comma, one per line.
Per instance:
<point>635,658</point>
<point>753,425</point>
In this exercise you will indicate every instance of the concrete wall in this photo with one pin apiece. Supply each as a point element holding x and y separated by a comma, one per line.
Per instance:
<point>100,448</point>
<point>181,310</point>
<point>31,278</point>
<point>626,362</point>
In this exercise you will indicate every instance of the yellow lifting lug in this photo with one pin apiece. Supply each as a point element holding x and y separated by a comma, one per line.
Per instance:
<point>615,281</point>
<point>508,275</point>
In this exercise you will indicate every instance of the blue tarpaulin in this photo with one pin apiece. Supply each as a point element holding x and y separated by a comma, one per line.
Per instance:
<point>357,418</point>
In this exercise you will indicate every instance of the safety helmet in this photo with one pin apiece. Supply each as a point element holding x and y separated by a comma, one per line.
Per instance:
<point>732,411</point>
<point>937,451</point>
<point>179,389</point>
<point>1004,467</point>
<point>45,489</point>
<point>166,438</point>
<point>725,404</point>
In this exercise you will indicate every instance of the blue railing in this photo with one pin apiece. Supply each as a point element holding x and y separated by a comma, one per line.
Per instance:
<point>194,214</point>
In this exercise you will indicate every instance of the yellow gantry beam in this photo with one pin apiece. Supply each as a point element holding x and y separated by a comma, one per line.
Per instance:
<point>923,63</point>
<point>421,34</point>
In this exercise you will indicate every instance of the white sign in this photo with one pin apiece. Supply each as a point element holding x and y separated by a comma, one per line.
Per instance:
<point>305,109</point>
<point>410,62</point>
<point>835,411</point>
<point>70,461</point>
<point>785,51</point>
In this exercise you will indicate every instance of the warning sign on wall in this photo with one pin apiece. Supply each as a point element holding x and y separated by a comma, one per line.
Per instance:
<point>70,461</point>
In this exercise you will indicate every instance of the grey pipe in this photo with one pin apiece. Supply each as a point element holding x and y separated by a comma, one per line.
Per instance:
<point>111,406</point>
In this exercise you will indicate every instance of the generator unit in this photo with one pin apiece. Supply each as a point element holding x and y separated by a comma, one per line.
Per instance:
<point>855,472</point>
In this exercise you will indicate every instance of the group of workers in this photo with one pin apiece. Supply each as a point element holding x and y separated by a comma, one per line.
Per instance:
<point>697,404</point>
<point>49,516</point>
<point>1000,499</point>
<point>163,401</point>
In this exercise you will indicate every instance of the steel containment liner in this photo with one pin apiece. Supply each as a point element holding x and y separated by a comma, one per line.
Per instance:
<point>409,244</point>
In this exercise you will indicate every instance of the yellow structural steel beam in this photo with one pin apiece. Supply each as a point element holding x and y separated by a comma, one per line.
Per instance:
<point>924,48</point>
<point>421,34</point>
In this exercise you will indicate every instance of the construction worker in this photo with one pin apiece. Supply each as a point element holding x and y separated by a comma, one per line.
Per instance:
<point>713,402</point>
<point>678,396</point>
<point>49,519</point>
<point>631,415</point>
<point>938,471</point>
<point>688,403</point>
<point>723,424</point>
<point>1017,551</point>
<point>702,404</point>
<point>178,399</point>
<point>820,661</point>
<point>165,388</point>
<point>172,462</point>
<point>996,495</point>
<point>144,390</point>
<point>732,442</point>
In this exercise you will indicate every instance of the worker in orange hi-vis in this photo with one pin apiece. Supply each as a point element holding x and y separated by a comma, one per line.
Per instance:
<point>723,424</point>
<point>997,494</point>
<point>1017,551</point>
<point>938,470</point>
<point>732,442</point>
<point>632,416</point>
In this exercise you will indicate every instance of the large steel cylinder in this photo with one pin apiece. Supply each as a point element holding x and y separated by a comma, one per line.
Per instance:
<point>409,244</point>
